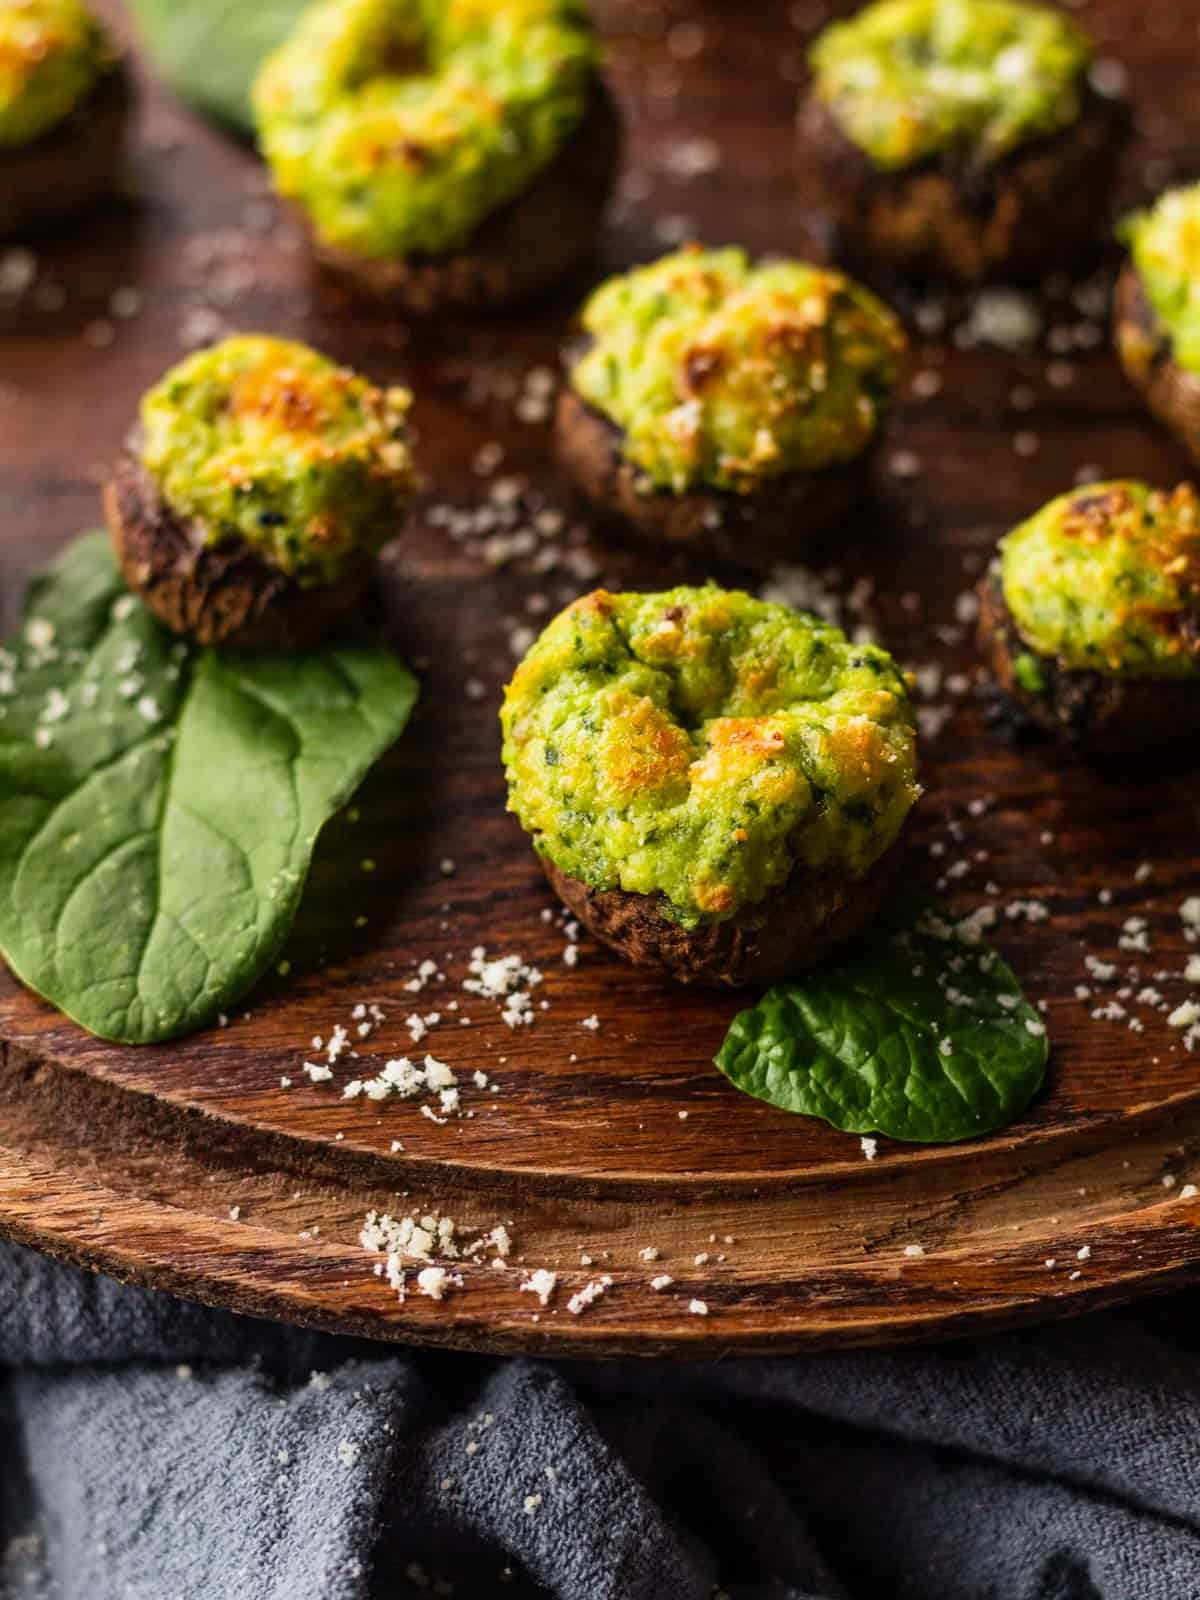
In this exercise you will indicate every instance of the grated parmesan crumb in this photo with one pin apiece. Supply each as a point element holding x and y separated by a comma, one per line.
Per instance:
<point>588,1295</point>
<point>542,1283</point>
<point>434,1281</point>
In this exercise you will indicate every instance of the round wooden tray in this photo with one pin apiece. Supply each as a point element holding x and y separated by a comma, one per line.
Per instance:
<point>189,1167</point>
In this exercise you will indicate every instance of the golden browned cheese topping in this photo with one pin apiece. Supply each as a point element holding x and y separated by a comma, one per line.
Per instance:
<point>1107,579</point>
<point>908,80</point>
<point>1164,245</point>
<point>52,52</point>
<point>269,442</point>
<point>400,125</point>
<point>701,743</point>
<point>721,374</point>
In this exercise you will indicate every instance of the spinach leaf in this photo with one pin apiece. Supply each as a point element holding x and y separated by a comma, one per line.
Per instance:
<point>921,1033</point>
<point>210,50</point>
<point>159,804</point>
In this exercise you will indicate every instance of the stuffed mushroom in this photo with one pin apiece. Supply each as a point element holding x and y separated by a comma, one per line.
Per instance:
<point>444,154</point>
<point>255,491</point>
<point>1157,311</point>
<point>64,96</point>
<point>715,784</point>
<point>724,408</point>
<point>1090,620</point>
<point>961,138</point>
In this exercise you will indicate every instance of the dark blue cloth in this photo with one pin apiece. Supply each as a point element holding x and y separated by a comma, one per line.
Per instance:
<point>154,1450</point>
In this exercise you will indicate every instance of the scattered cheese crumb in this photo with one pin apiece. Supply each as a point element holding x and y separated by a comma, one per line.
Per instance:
<point>507,979</point>
<point>433,1281</point>
<point>588,1295</point>
<point>542,1283</point>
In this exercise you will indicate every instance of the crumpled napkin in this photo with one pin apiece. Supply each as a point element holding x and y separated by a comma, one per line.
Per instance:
<point>156,1450</point>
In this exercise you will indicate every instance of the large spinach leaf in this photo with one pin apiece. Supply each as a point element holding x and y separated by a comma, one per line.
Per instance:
<point>210,50</point>
<point>922,1033</point>
<point>159,804</point>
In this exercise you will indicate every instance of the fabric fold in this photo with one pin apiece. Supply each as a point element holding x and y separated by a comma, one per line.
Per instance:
<point>157,1483</point>
<point>156,1450</point>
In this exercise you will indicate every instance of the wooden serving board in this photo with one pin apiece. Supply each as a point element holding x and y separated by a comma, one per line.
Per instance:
<point>602,1142</point>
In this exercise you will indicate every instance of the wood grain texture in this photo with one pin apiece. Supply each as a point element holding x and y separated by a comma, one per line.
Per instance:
<point>604,1142</point>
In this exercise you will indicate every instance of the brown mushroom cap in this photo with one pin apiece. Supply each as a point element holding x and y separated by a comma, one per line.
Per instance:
<point>774,524</point>
<point>1101,715</point>
<point>73,165</point>
<point>1144,346</point>
<point>517,251</point>
<point>1037,209</point>
<point>222,594</point>
<point>792,929</point>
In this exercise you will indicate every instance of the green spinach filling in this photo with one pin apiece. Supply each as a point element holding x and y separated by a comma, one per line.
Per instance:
<point>699,743</point>
<point>52,53</point>
<point>722,374</point>
<point>268,442</point>
<point>907,80</point>
<point>399,125</point>
<point>1107,579</point>
<point>1164,246</point>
